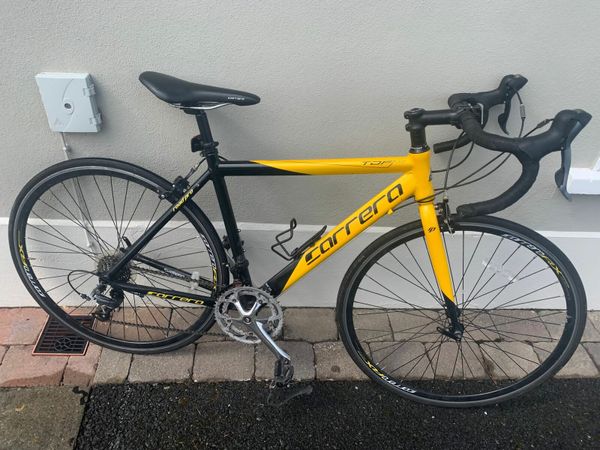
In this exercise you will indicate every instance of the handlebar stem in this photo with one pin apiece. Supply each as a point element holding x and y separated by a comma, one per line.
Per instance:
<point>418,119</point>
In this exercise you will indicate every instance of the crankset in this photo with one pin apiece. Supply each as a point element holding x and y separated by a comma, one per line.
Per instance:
<point>244,313</point>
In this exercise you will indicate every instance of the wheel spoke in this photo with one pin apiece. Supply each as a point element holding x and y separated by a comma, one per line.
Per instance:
<point>66,269</point>
<point>507,322</point>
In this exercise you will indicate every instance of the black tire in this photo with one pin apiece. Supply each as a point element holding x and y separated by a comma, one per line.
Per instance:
<point>58,191</point>
<point>387,353</point>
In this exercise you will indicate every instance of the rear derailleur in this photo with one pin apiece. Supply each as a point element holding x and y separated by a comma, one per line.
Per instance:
<point>106,304</point>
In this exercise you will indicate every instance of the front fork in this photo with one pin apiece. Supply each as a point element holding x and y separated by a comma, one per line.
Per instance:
<point>441,268</point>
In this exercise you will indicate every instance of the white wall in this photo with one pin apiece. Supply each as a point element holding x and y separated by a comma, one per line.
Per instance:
<point>334,78</point>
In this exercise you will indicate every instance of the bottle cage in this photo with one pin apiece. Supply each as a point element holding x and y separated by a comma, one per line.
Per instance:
<point>287,235</point>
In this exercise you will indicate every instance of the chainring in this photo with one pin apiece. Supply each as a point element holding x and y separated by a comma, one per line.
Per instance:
<point>231,321</point>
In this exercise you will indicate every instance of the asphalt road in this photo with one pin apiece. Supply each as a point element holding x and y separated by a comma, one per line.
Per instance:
<point>560,414</point>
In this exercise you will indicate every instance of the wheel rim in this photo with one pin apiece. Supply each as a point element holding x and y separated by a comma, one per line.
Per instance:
<point>512,339</point>
<point>107,206</point>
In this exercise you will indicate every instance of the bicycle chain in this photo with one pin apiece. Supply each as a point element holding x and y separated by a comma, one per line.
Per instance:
<point>162,274</point>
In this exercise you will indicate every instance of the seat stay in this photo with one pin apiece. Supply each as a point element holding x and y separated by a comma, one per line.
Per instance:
<point>136,247</point>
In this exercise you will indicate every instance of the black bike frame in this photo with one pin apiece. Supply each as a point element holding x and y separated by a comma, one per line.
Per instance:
<point>216,172</point>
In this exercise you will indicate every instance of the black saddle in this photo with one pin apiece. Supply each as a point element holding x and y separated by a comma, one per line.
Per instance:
<point>182,93</point>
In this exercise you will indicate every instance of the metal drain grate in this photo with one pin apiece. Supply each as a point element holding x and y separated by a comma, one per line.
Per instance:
<point>56,339</point>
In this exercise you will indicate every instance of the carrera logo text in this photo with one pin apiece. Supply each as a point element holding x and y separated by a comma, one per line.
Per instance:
<point>364,216</point>
<point>183,199</point>
<point>178,298</point>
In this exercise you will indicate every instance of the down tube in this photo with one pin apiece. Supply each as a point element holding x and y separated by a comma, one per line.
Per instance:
<point>365,216</point>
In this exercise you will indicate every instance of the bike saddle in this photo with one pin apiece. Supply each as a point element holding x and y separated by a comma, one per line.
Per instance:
<point>183,93</point>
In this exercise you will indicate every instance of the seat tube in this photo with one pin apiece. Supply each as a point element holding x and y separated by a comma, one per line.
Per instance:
<point>240,269</point>
<point>436,250</point>
<point>209,150</point>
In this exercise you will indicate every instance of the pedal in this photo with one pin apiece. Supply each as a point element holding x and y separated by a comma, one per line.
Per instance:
<point>281,395</point>
<point>283,373</point>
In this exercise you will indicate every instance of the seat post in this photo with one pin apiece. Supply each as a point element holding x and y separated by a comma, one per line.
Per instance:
<point>204,127</point>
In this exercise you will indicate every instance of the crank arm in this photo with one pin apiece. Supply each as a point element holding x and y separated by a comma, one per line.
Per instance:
<point>259,329</point>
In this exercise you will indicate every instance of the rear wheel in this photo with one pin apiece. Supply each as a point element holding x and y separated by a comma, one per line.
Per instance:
<point>74,220</point>
<point>522,304</point>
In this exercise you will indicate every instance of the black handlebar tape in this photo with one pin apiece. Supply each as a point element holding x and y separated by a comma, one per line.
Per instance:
<point>533,147</point>
<point>446,146</point>
<point>512,195</point>
<point>528,151</point>
<point>509,85</point>
<point>472,128</point>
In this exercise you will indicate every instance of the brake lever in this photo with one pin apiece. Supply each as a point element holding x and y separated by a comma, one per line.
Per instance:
<point>503,118</point>
<point>561,176</point>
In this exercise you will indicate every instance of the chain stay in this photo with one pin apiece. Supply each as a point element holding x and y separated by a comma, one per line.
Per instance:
<point>156,327</point>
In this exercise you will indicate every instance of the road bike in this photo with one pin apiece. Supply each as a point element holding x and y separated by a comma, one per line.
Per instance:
<point>454,309</point>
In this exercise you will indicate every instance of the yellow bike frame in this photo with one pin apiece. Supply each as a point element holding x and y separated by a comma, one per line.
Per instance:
<point>415,182</point>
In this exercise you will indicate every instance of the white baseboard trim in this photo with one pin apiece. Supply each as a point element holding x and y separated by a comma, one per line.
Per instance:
<point>582,247</point>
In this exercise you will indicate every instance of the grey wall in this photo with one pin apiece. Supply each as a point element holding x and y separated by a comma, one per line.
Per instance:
<point>335,78</point>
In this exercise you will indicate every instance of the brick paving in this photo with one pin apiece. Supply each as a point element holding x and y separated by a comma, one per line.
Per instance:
<point>310,336</point>
<point>333,363</point>
<point>20,368</point>
<point>593,348</point>
<point>591,333</point>
<point>302,354</point>
<point>80,370</point>
<point>173,366</point>
<point>227,360</point>
<point>21,326</point>
<point>3,350</point>
<point>113,367</point>
<point>580,365</point>
<point>309,324</point>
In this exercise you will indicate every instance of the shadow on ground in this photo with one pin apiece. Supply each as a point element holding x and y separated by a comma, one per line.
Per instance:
<point>559,414</point>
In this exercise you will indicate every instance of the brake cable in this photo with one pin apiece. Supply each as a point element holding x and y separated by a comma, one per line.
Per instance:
<point>467,180</point>
<point>464,182</point>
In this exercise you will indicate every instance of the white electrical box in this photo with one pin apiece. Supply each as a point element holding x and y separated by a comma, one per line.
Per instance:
<point>70,101</point>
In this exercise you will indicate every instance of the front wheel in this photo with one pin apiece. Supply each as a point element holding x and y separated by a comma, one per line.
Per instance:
<point>521,302</point>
